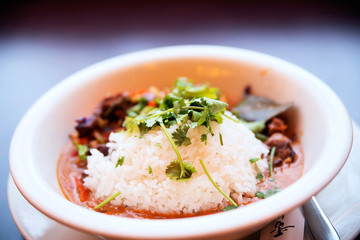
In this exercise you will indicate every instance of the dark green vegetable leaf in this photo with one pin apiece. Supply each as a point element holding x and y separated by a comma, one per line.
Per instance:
<point>256,108</point>
<point>120,161</point>
<point>180,136</point>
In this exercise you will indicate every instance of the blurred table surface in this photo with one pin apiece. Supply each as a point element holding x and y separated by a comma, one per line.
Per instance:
<point>42,42</point>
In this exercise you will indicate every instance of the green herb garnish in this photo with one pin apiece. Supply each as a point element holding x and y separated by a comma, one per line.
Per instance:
<point>82,150</point>
<point>120,161</point>
<point>255,127</point>
<point>261,137</point>
<point>158,145</point>
<point>216,186</point>
<point>180,136</point>
<point>272,163</point>
<point>107,200</point>
<point>204,138</point>
<point>173,171</point>
<point>221,139</point>
<point>177,170</point>
<point>230,207</point>
<point>267,194</point>
<point>150,170</point>
<point>254,160</point>
<point>188,106</point>
<point>259,176</point>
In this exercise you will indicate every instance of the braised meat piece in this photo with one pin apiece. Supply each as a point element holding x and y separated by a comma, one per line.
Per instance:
<point>109,115</point>
<point>85,126</point>
<point>276,125</point>
<point>284,151</point>
<point>103,149</point>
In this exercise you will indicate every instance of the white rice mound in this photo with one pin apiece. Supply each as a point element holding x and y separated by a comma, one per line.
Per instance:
<point>228,165</point>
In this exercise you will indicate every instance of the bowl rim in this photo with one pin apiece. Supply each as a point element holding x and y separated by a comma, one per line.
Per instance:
<point>202,226</point>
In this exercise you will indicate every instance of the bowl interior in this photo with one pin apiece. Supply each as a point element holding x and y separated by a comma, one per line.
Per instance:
<point>52,118</point>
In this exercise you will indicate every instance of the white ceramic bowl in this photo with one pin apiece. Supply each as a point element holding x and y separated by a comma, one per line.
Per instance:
<point>321,120</point>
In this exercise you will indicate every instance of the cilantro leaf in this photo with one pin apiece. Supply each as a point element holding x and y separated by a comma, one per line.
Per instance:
<point>215,106</point>
<point>259,176</point>
<point>185,88</point>
<point>201,91</point>
<point>194,115</point>
<point>204,138</point>
<point>150,170</point>
<point>173,171</point>
<point>230,207</point>
<point>82,150</point>
<point>267,194</point>
<point>169,100</point>
<point>158,145</point>
<point>177,170</point>
<point>204,117</point>
<point>120,161</point>
<point>151,121</point>
<point>254,160</point>
<point>180,136</point>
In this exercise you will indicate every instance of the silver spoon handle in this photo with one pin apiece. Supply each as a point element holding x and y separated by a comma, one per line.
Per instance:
<point>319,224</point>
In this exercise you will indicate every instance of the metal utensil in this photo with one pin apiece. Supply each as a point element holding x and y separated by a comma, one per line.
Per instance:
<point>318,223</point>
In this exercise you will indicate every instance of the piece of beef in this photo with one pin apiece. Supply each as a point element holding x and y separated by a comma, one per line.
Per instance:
<point>108,115</point>
<point>276,125</point>
<point>284,151</point>
<point>103,149</point>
